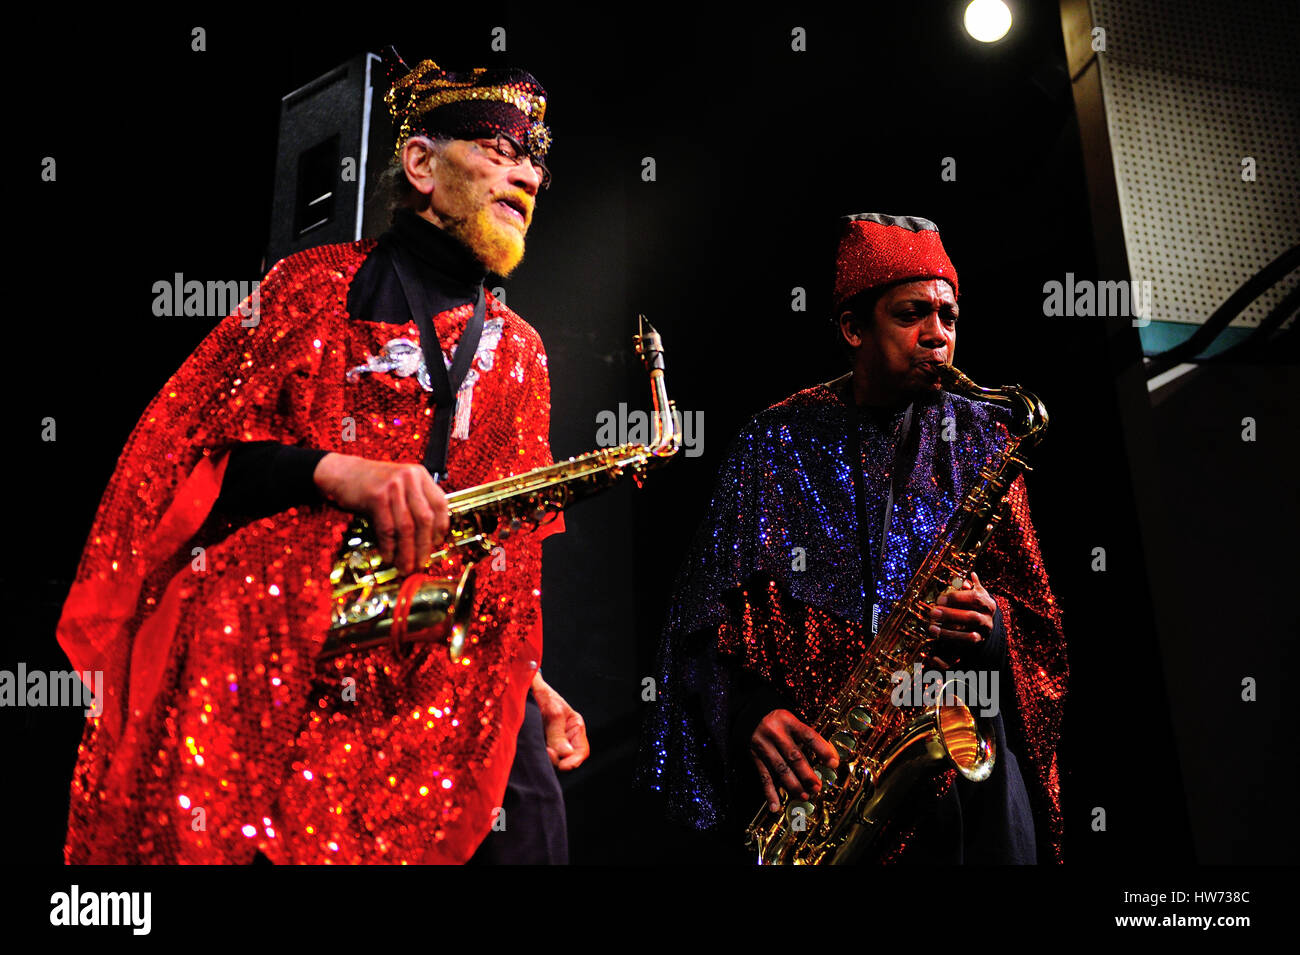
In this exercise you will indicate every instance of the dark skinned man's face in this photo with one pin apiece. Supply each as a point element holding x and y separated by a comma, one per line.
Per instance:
<point>912,330</point>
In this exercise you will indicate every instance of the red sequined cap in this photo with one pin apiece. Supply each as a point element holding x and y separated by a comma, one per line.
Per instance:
<point>877,250</point>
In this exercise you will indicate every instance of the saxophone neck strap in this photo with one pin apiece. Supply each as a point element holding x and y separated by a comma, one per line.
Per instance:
<point>445,381</point>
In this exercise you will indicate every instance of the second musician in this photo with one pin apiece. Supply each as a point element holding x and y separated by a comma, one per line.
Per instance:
<point>824,507</point>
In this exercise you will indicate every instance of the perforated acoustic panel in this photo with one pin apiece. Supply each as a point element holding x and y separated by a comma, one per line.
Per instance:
<point>1192,88</point>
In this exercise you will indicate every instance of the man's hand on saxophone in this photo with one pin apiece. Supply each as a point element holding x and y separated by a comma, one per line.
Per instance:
<point>408,509</point>
<point>962,621</point>
<point>778,746</point>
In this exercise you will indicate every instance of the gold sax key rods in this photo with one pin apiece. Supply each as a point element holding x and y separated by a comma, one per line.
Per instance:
<point>374,605</point>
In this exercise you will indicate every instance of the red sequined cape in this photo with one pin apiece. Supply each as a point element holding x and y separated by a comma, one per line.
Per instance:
<point>219,735</point>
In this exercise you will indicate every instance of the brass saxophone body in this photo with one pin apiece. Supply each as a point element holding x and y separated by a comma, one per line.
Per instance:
<point>374,605</point>
<point>886,749</point>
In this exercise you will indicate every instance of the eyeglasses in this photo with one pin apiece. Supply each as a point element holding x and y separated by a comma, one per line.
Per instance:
<point>506,152</point>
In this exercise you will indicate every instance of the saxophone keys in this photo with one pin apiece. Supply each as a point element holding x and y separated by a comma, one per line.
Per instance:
<point>858,719</point>
<point>845,744</point>
<point>866,786</point>
<point>827,775</point>
<point>799,813</point>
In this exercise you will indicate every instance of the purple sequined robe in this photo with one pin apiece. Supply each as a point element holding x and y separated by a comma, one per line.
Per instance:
<point>772,605</point>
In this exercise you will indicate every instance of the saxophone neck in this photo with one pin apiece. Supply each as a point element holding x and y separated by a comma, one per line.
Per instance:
<point>667,438</point>
<point>1029,414</point>
<point>529,496</point>
<point>649,345</point>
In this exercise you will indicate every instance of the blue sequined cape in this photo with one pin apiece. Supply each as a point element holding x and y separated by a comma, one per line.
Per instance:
<point>783,512</point>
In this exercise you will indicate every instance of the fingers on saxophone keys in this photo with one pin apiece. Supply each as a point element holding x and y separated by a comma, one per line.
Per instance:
<point>961,625</point>
<point>795,758</point>
<point>405,528</point>
<point>821,749</point>
<point>938,616</point>
<point>781,770</point>
<point>769,788</point>
<point>959,636</point>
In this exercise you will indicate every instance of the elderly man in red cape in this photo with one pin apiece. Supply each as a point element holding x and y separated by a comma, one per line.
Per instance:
<point>204,589</point>
<point>824,507</point>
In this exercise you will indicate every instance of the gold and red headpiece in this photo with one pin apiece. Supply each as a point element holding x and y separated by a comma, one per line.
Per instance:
<point>436,102</point>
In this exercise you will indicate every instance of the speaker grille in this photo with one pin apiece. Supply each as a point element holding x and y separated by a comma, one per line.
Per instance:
<point>1191,89</point>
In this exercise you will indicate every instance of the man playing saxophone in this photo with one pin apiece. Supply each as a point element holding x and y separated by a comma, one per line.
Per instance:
<point>824,507</point>
<point>204,589</point>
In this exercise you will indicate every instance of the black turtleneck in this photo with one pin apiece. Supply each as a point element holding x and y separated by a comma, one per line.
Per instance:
<point>265,477</point>
<point>449,272</point>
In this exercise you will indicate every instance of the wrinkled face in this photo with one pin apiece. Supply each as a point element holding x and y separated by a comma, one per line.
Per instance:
<point>913,329</point>
<point>484,202</point>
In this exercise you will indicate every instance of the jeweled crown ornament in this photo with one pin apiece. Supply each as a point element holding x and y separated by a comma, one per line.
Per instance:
<point>483,102</point>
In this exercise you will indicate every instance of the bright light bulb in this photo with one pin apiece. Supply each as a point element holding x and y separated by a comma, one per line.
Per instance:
<point>987,20</point>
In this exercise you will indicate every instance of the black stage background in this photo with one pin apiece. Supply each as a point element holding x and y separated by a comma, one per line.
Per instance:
<point>165,160</point>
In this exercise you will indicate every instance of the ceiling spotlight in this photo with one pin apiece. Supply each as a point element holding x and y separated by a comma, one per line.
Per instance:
<point>987,20</point>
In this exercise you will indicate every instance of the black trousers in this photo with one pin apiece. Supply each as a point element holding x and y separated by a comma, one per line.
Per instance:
<point>535,831</point>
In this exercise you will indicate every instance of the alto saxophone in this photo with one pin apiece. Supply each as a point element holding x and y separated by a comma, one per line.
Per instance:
<point>886,749</point>
<point>374,605</point>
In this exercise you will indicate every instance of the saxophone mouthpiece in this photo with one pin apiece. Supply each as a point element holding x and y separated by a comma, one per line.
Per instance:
<point>953,379</point>
<point>649,345</point>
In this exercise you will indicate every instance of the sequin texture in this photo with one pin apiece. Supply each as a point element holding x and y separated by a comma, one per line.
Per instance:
<point>220,736</point>
<point>774,585</point>
<point>877,250</point>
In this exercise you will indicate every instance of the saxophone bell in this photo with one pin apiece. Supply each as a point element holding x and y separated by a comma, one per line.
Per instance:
<point>432,608</point>
<point>839,826</point>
